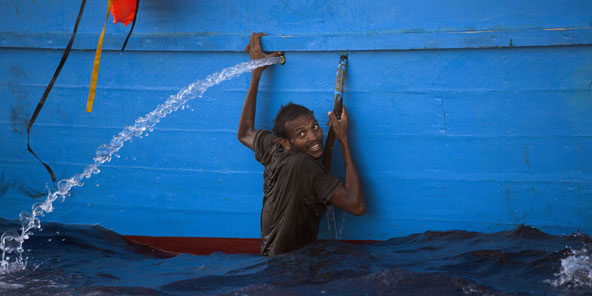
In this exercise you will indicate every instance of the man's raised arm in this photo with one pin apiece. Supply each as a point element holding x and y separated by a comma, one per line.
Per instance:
<point>246,127</point>
<point>349,196</point>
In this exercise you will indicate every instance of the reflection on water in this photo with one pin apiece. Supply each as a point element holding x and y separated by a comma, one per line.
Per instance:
<point>74,260</point>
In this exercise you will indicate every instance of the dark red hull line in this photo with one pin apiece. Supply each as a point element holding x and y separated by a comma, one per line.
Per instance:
<point>199,245</point>
<point>207,245</point>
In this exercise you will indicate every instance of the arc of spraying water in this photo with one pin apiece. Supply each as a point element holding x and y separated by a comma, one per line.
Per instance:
<point>12,241</point>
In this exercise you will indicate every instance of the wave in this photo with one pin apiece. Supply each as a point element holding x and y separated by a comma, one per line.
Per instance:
<point>89,259</point>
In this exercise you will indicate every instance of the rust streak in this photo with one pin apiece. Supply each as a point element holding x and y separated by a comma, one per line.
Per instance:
<point>473,32</point>
<point>563,29</point>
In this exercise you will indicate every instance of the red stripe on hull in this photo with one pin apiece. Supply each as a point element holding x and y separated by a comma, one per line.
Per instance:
<point>199,245</point>
<point>207,245</point>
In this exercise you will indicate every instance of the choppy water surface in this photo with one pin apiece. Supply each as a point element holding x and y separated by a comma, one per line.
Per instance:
<point>83,260</point>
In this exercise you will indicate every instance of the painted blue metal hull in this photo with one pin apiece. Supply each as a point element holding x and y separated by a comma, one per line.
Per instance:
<point>464,115</point>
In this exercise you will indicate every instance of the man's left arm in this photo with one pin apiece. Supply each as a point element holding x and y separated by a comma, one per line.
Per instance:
<point>348,196</point>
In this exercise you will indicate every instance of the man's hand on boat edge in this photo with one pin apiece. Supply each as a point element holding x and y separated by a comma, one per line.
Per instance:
<point>255,52</point>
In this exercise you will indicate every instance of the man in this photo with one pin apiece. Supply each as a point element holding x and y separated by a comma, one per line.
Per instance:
<point>297,188</point>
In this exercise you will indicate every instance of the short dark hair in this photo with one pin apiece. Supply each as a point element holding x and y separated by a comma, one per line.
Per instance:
<point>288,112</point>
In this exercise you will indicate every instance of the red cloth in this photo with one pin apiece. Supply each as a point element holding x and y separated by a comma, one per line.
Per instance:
<point>123,11</point>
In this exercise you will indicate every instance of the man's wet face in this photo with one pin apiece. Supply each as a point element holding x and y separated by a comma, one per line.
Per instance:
<point>305,136</point>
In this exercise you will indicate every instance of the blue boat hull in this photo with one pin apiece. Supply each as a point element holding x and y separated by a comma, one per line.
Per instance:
<point>474,116</point>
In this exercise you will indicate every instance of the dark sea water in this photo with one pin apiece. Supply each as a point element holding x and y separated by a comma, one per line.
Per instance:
<point>90,260</point>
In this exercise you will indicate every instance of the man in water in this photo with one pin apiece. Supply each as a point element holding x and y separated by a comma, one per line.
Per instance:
<point>296,186</point>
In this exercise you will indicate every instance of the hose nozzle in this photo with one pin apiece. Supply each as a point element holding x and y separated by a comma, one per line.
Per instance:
<point>282,59</point>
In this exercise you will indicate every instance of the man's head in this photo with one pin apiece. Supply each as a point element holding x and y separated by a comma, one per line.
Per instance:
<point>298,130</point>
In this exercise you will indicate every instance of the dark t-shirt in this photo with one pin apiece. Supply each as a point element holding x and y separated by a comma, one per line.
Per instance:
<point>296,190</point>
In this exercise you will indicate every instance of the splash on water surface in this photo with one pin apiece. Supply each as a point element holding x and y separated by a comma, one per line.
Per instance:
<point>576,270</point>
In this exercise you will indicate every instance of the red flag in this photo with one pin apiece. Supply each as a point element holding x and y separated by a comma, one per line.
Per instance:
<point>123,11</point>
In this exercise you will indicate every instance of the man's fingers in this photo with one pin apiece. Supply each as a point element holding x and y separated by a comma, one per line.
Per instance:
<point>248,48</point>
<point>258,39</point>
<point>343,112</point>
<point>332,119</point>
<point>256,36</point>
<point>332,116</point>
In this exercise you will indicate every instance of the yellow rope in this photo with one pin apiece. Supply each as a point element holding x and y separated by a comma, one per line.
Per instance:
<point>95,71</point>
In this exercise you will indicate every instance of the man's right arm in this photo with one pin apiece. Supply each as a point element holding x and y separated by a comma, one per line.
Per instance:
<point>246,127</point>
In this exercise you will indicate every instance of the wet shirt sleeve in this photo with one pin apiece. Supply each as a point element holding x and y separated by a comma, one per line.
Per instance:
<point>262,144</point>
<point>323,183</point>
